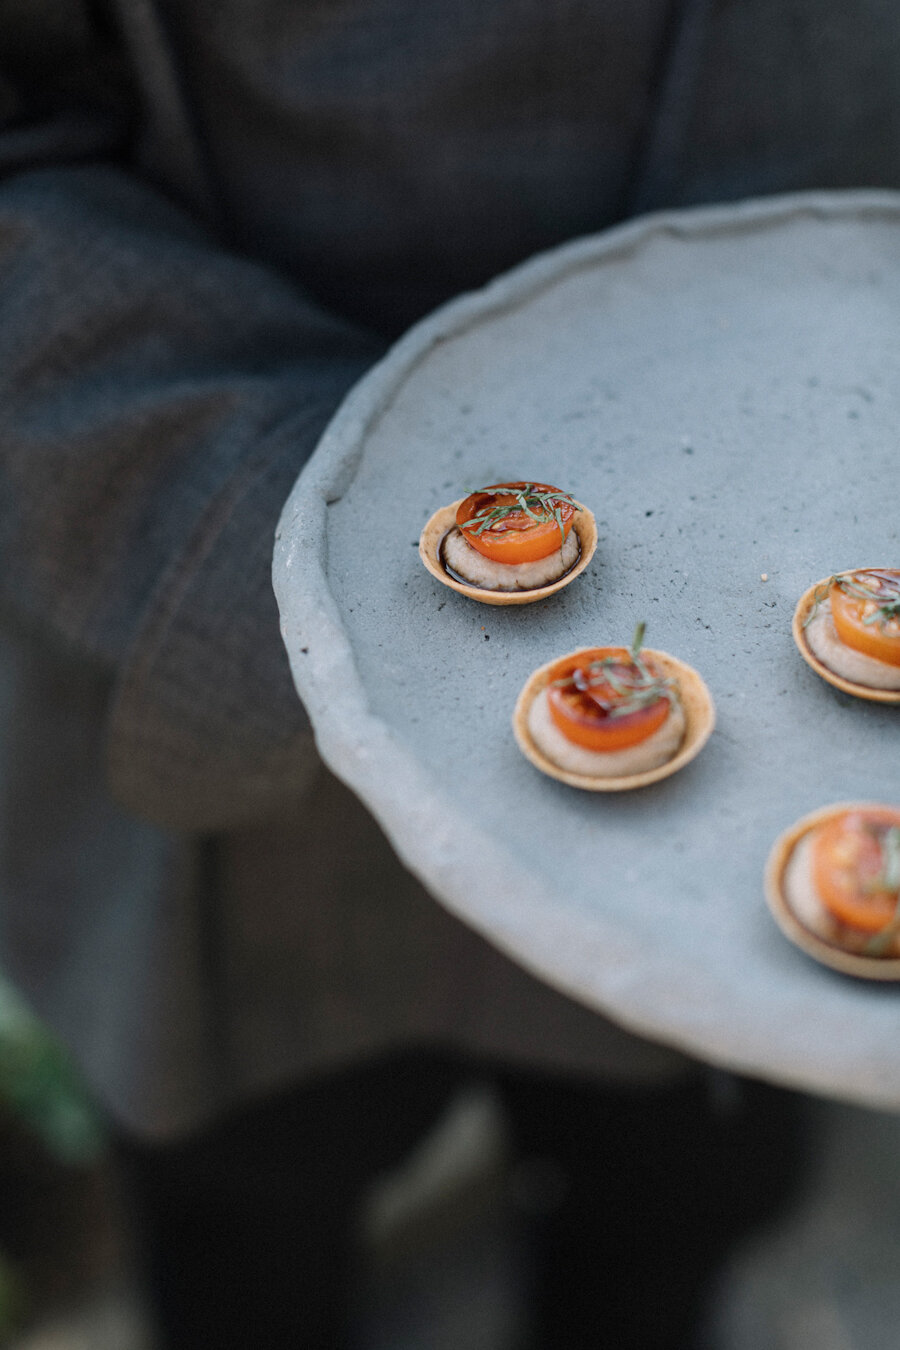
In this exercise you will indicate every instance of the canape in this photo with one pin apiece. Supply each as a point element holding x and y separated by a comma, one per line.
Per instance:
<point>847,628</point>
<point>833,886</point>
<point>612,718</point>
<point>509,543</point>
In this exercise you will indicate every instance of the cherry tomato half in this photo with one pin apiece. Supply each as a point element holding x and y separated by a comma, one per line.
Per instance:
<point>588,695</point>
<point>512,535</point>
<point>847,864</point>
<point>856,618</point>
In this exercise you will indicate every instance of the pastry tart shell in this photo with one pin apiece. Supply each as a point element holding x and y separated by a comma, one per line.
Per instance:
<point>884,968</point>
<point>699,715</point>
<point>805,607</point>
<point>444,520</point>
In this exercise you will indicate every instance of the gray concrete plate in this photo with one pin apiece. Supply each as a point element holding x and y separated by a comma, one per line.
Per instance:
<point>722,387</point>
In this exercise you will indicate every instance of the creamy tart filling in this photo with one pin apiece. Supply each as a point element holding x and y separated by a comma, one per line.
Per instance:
<point>803,900</point>
<point>459,555</point>
<point>657,749</point>
<point>824,642</point>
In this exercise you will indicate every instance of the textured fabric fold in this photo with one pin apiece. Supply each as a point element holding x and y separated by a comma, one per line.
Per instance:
<point>157,392</point>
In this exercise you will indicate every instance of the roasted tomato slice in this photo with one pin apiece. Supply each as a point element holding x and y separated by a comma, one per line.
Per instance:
<point>865,606</point>
<point>607,698</point>
<point>852,857</point>
<point>516,522</point>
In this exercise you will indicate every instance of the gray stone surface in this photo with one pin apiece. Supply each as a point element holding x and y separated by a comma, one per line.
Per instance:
<point>721,388</point>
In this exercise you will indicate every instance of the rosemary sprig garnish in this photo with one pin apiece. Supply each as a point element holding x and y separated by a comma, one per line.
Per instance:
<point>886,598</point>
<point>890,609</point>
<point>541,507</point>
<point>820,595</point>
<point>635,687</point>
<point>890,857</point>
<point>887,880</point>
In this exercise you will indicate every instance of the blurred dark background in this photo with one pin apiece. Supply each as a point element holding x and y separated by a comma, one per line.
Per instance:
<point>444,1269</point>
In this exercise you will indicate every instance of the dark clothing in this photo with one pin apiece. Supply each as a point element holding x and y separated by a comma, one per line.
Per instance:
<point>618,1207</point>
<point>214,216</point>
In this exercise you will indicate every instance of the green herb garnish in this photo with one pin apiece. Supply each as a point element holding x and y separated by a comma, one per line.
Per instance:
<point>541,507</point>
<point>888,880</point>
<point>634,686</point>
<point>886,597</point>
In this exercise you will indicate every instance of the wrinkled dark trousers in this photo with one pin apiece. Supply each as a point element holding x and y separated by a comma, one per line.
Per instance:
<point>246,1230</point>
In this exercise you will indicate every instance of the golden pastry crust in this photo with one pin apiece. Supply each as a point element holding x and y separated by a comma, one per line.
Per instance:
<point>444,520</point>
<point>808,616</point>
<point>799,916</point>
<point>697,708</point>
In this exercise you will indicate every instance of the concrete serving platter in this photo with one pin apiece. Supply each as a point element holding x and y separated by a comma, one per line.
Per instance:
<point>721,387</point>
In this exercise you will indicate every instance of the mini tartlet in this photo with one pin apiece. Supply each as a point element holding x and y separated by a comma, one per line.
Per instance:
<point>509,543</point>
<point>608,719</point>
<point>847,629</point>
<point>832,883</point>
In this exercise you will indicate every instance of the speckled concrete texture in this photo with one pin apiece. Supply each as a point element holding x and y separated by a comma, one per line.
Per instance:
<point>721,387</point>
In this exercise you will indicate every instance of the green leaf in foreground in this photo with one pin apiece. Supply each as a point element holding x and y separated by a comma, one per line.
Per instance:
<point>41,1086</point>
<point>13,1302</point>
